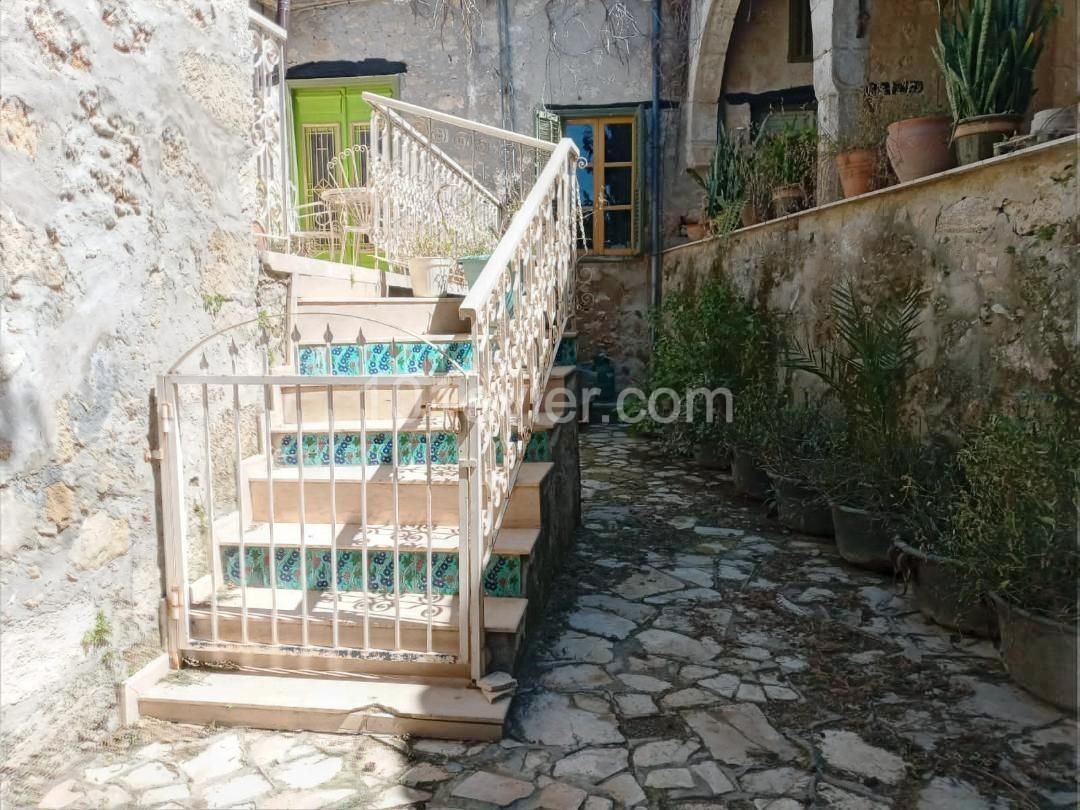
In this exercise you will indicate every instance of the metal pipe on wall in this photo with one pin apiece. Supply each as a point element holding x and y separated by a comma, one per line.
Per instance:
<point>655,238</point>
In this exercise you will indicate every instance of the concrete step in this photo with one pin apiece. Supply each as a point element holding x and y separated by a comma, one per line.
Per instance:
<point>445,709</point>
<point>523,510</point>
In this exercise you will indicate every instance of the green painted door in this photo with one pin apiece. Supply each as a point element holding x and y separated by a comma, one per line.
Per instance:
<point>327,119</point>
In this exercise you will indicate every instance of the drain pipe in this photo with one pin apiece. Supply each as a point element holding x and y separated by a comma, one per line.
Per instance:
<point>282,15</point>
<point>656,278</point>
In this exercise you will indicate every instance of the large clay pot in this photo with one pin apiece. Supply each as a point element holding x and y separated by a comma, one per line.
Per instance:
<point>749,215</point>
<point>748,476</point>
<point>856,168</point>
<point>918,147</point>
<point>696,231</point>
<point>863,538</point>
<point>936,584</point>
<point>975,137</point>
<point>787,199</point>
<point>801,508</point>
<point>1039,653</point>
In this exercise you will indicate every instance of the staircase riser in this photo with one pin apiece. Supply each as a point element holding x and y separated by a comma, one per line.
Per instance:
<point>377,404</point>
<point>503,577</point>
<point>412,449</point>
<point>375,358</point>
<point>400,322</point>
<point>523,511</point>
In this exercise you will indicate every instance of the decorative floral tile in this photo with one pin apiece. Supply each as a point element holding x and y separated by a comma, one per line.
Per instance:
<point>311,360</point>
<point>375,358</point>
<point>503,576</point>
<point>412,447</point>
<point>566,354</point>
<point>539,448</point>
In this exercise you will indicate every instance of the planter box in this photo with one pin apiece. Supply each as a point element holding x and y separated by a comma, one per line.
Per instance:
<point>1039,653</point>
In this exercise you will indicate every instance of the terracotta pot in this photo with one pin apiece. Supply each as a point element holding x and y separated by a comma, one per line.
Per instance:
<point>748,476</point>
<point>863,538</point>
<point>919,146</point>
<point>801,508</point>
<point>936,583</point>
<point>696,231</point>
<point>1039,653</point>
<point>975,137</point>
<point>856,168</point>
<point>787,199</point>
<point>749,215</point>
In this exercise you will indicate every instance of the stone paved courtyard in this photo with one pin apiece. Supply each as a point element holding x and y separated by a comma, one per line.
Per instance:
<point>693,656</point>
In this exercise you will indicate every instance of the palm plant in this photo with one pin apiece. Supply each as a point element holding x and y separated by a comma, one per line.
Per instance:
<point>988,51</point>
<point>869,366</point>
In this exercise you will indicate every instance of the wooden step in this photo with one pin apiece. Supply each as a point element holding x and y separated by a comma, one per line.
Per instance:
<point>509,543</point>
<point>522,512</point>
<point>379,705</point>
<point>380,318</point>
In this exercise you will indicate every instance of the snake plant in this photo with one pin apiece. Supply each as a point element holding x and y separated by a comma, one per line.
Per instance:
<point>988,50</point>
<point>725,179</point>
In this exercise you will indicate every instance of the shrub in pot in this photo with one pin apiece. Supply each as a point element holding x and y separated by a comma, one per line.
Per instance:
<point>722,185</point>
<point>988,51</point>
<point>803,436</point>
<point>858,153</point>
<point>867,368</point>
<point>1014,527</point>
<point>789,161</point>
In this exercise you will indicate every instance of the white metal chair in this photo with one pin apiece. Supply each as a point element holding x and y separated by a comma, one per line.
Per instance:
<point>352,202</point>
<point>312,231</point>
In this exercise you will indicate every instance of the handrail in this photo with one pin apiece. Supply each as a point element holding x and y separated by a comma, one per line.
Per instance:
<point>461,123</point>
<point>438,153</point>
<point>504,250</point>
<point>269,26</point>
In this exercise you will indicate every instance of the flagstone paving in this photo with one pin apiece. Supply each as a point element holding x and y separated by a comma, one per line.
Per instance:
<point>694,656</point>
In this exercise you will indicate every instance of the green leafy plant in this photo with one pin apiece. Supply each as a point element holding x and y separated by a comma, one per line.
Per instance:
<point>802,434</point>
<point>1012,521</point>
<point>99,633</point>
<point>987,51</point>
<point>788,157</point>
<point>724,181</point>
<point>212,303</point>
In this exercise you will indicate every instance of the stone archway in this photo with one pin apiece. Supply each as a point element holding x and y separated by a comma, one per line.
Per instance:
<point>710,34</point>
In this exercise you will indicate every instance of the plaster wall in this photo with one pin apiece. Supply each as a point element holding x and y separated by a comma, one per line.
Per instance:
<point>127,205</point>
<point>995,244</point>
<point>757,59</point>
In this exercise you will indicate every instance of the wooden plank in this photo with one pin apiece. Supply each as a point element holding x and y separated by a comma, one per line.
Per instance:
<point>266,659</point>
<point>324,704</point>
<point>138,684</point>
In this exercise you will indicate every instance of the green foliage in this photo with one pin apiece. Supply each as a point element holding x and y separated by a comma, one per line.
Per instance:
<point>709,337</point>
<point>1012,521</point>
<point>799,436</point>
<point>870,364</point>
<point>212,303</point>
<point>988,50</point>
<point>99,633</point>
<point>789,157</point>
<point>724,181</point>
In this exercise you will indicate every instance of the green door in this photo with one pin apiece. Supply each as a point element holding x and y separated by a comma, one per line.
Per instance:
<point>327,119</point>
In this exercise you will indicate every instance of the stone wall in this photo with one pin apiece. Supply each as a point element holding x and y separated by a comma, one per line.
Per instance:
<point>757,59</point>
<point>994,243</point>
<point>126,218</point>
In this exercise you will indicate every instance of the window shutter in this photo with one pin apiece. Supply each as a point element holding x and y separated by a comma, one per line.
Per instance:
<point>638,218</point>
<point>548,126</point>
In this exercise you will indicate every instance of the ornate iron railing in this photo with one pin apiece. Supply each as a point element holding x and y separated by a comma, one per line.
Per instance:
<point>268,130</point>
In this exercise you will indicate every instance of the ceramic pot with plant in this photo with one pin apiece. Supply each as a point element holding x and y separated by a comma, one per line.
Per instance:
<point>1013,528</point>
<point>790,158</point>
<point>988,53</point>
<point>802,439</point>
<point>857,153</point>
<point>919,146</point>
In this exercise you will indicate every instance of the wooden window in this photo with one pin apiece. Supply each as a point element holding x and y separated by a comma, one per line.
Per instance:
<point>800,32</point>
<point>608,179</point>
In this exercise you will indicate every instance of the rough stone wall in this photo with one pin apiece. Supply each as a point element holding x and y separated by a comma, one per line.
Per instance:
<point>126,213</point>
<point>995,245</point>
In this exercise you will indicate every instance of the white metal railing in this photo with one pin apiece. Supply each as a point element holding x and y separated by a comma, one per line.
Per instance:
<point>269,137</point>
<point>519,308</point>
<point>237,512</point>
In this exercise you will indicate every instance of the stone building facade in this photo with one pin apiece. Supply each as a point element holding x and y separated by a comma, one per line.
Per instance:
<point>126,220</point>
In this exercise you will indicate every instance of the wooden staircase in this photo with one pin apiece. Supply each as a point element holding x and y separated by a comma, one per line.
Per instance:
<point>386,522</point>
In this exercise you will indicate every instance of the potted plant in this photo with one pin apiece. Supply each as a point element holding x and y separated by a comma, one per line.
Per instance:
<point>1014,527</point>
<point>803,435</point>
<point>433,266</point>
<point>756,411</point>
<point>988,51</point>
<point>867,368</point>
<point>789,160</point>
<point>857,153</point>
<point>918,137</point>
<point>723,185</point>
